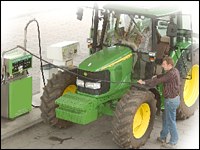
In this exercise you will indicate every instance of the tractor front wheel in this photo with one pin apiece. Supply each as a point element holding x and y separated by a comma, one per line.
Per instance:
<point>133,119</point>
<point>58,85</point>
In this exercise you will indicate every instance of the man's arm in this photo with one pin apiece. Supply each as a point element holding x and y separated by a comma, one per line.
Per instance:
<point>161,79</point>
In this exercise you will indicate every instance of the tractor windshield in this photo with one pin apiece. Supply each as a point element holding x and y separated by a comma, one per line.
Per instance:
<point>133,30</point>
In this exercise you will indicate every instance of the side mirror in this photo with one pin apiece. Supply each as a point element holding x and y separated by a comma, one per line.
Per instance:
<point>79,14</point>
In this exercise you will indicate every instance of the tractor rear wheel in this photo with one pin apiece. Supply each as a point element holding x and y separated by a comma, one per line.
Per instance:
<point>133,119</point>
<point>58,85</point>
<point>189,90</point>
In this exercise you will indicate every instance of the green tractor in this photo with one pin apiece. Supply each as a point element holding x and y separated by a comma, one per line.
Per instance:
<point>126,44</point>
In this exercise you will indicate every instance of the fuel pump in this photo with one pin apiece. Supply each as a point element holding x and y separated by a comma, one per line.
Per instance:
<point>16,83</point>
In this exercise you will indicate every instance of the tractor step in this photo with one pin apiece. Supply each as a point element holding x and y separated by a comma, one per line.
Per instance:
<point>77,108</point>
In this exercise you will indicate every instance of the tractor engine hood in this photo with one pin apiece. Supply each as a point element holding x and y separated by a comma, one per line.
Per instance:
<point>105,58</point>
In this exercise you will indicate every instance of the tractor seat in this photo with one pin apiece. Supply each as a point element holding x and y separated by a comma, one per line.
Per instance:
<point>163,47</point>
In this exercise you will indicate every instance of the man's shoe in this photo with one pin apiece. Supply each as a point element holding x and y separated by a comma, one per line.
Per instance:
<point>169,145</point>
<point>161,140</point>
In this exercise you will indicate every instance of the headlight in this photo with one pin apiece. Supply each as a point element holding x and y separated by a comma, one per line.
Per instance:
<point>80,82</point>
<point>92,85</point>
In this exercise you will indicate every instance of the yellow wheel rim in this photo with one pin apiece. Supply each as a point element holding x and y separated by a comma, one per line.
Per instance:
<point>141,120</point>
<point>191,87</point>
<point>70,88</point>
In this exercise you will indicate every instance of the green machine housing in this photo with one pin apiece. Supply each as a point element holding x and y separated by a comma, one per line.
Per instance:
<point>16,88</point>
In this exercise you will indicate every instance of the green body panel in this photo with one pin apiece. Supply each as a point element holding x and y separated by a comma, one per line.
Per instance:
<point>20,97</point>
<point>104,58</point>
<point>83,108</point>
<point>77,108</point>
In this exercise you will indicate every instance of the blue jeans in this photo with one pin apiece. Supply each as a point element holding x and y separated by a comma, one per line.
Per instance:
<point>169,120</point>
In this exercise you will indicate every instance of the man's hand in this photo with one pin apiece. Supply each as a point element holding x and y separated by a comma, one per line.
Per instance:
<point>140,82</point>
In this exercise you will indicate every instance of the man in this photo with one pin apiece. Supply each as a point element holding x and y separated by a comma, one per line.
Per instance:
<point>171,82</point>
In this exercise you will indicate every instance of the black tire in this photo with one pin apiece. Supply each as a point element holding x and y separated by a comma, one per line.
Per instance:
<point>53,90</point>
<point>122,124</point>
<point>184,111</point>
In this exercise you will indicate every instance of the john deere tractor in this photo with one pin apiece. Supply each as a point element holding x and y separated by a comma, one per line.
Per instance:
<point>126,44</point>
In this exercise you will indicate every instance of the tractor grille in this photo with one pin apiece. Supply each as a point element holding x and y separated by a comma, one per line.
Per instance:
<point>102,75</point>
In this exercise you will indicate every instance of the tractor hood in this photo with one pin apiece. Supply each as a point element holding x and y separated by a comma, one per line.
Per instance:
<point>105,58</point>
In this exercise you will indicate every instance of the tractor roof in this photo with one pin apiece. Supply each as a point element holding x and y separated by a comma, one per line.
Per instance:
<point>152,12</point>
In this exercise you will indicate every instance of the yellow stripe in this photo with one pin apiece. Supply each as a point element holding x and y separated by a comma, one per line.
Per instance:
<point>118,61</point>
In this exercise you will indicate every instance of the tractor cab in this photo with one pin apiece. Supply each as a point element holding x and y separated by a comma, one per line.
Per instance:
<point>145,31</point>
<point>150,33</point>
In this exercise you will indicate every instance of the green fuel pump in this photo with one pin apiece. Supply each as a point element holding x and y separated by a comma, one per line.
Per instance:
<point>16,84</point>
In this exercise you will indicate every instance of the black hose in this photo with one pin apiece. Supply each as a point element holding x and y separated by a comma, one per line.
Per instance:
<point>39,42</point>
